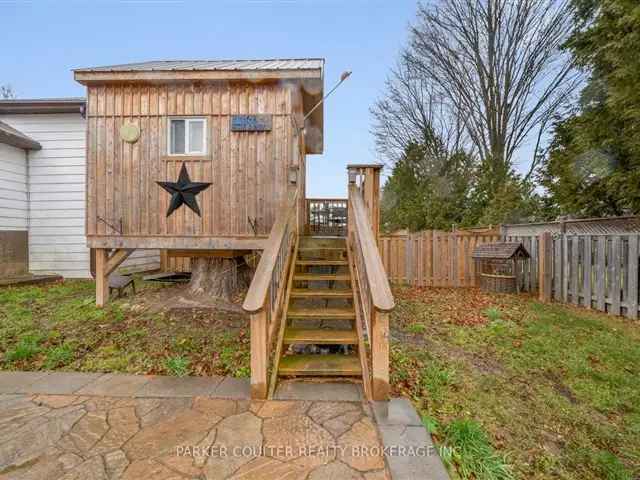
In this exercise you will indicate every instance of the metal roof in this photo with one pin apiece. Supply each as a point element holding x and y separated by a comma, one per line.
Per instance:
<point>500,250</point>
<point>60,100</point>
<point>212,65</point>
<point>16,138</point>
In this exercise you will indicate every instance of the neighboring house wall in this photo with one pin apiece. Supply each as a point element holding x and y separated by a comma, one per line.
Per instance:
<point>13,188</point>
<point>56,186</point>
<point>14,210</point>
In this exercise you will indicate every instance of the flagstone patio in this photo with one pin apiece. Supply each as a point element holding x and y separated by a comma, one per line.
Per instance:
<point>127,427</point>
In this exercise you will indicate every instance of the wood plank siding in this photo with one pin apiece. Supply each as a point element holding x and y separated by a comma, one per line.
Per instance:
<point>248,171</point>
<point>53,196</point>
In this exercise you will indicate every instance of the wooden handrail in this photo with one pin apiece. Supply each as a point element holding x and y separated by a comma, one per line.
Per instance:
<point>259,288</point>
<point>380,291</point>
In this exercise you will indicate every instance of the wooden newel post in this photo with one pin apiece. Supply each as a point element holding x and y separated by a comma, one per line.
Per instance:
<point>364,183</point>
<point>380,355</point>
<point>367,178</point>
<point>259,359</point>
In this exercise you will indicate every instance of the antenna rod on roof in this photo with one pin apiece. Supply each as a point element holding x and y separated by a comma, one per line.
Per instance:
<point>343,77</point>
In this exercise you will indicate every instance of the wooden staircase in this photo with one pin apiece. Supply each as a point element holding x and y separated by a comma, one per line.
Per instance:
<point>320,306</point>
<point>318,336</point>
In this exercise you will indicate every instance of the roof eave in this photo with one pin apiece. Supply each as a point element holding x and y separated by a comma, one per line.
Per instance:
<point>18,141</point>
<point>87,77</point>
<point>41,106</point>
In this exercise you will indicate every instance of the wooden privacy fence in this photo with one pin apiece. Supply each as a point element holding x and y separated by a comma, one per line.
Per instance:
<point>594,271</point>
<point>433,258</point>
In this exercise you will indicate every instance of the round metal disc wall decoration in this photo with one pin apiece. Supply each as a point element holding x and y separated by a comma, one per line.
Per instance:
<point>130,132</point>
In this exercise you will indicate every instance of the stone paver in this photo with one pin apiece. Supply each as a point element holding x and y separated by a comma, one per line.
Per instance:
<point>18,382</point>
<point>116,385</point>
<point>180,387</point>
<point>346,392</point>
<point>233,388</point>
<point>129,427</point>
<point>62,383</point>
<point>401,427</point>
<point>397,411</point>
<point>108,437</point>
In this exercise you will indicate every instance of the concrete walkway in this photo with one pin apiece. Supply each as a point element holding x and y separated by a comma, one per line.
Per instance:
<point>109,426</point>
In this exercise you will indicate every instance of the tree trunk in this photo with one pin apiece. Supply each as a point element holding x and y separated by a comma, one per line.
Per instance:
<point>219,277</point>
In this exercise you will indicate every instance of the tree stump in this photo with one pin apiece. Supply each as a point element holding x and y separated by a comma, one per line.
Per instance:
<point>219,277</point>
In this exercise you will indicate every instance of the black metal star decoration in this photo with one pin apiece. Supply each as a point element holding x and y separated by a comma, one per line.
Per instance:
<point>183,191</point>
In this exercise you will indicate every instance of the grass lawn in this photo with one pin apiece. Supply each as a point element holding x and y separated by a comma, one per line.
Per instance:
<point>58,327</point>
<point>514,388</point>
<point>510,387</point>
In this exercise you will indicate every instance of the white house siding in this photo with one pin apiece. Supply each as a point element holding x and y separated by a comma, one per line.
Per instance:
<point>56,185</point>
<point>14,207</point>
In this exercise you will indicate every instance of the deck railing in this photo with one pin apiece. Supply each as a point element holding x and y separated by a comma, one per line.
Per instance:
<point>327,216</point>
<point>265,298</point>
<point>373,298</point>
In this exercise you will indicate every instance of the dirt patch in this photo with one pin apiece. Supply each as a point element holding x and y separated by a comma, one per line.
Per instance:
<point>561,388</point>
<point>178,297</point>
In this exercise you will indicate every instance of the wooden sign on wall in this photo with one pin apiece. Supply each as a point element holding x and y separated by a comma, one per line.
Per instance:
<point>251,123</point>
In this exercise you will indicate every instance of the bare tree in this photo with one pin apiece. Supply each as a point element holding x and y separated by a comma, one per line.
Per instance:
<point>497,62</point>
<point>6,92</point>
<point>413,112</point>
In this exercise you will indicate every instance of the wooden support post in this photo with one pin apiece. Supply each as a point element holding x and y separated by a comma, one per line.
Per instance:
<point>102,277</point>
<point>380,354</point>
<point>259,355</point>
<point>545,262</point>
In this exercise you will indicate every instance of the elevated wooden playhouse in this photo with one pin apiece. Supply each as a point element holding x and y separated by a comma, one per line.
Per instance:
<point>228,140</point>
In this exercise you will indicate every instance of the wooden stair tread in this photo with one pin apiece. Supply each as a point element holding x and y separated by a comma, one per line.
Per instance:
<point>321,262</point>
<point>321,365</point>
<point>321,293</point>
<point>312,249</point>
<point>342,313</point>
<point>320,336</point>
<point>322,276</point>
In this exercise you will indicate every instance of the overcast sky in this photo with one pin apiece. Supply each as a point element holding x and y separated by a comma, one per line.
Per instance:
<point>42,41</point>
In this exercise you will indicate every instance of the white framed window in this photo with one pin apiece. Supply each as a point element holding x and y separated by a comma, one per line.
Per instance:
<point>187,136</point>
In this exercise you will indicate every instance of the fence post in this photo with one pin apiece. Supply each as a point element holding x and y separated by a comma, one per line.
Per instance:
<point>545,259</point>
<point>632,301</point>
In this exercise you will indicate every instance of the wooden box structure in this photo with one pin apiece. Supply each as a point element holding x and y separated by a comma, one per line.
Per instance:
<point>252,141</point>
<point>499,266</point>
<point>228,140</point>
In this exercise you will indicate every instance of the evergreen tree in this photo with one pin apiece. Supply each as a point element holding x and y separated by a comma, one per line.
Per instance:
<point>593,163</point>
